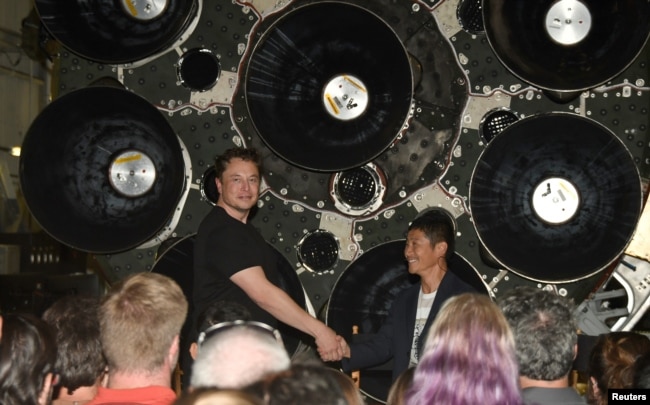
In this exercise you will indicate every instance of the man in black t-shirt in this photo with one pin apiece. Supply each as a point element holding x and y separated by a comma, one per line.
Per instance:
<point>233,262</point>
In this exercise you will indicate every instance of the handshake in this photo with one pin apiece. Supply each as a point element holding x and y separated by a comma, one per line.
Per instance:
<point>332,348</point>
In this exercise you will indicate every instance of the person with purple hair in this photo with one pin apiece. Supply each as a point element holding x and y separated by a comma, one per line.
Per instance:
<point>469,357</point>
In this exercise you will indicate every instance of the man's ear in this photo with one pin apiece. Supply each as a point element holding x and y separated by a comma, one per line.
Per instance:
<point>174,350</point>
<point>217,182</point>
<point>103,380</point>
<point>46,392</point>
<point>442,247</point>
<point>194,349</point>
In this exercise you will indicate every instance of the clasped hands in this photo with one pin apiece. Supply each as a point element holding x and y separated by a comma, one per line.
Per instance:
<point>332,348</point>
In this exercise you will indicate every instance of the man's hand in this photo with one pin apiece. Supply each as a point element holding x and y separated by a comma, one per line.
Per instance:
<point>328,345</point>
<point>344,346</point>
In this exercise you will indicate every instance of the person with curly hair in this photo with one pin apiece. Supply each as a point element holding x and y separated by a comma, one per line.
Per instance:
<point>546,341</point>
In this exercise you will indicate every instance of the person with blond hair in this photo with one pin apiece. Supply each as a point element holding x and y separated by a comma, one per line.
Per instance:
<point>468,358</point>
<point>140,324</point>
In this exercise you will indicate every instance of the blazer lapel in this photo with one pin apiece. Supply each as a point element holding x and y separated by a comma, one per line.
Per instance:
<point>411,303</point>
<point>442,294</point>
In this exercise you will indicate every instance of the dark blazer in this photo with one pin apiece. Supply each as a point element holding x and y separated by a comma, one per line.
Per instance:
<point>395,336</point>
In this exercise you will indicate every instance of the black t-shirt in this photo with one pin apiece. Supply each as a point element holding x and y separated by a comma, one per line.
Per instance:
<point>223,247</point>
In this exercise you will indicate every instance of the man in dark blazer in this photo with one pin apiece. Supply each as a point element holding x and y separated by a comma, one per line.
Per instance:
<point>429,246</point>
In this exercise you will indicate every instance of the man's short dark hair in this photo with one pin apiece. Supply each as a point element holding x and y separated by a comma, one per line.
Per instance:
<point>301,384</point>
<point>222,311</point>
<point>80,360</point>
<point>245,154</point>
<point>438,226</point>
<point>545,331</point>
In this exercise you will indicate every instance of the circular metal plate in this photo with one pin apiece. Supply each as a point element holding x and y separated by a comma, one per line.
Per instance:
<point>132,173</point>
<point>568,22</point>
<point>303,67</point>
<point>566,45</point>
<point>556,200</point>
<point>116,32</point>
<point>548,241</point>
<point>76,154</point>
<point>345,97</point>
<point>145,10</point>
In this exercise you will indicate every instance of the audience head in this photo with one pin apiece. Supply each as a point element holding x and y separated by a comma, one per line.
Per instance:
<point>545,332</point>
<point>611,363</point>
<point>399,388</point>
<point>27,358</point>
<point>301,384</point>
<point>468,356</point>
<point>222,311</point>
<point>141,319</point>
<point>437,226</point>
<point>351,392</point>
<point>236,354</point>
<point>216,396</point>
<point>80,360</point>
<point>642,372</point>
<point>218,312</point>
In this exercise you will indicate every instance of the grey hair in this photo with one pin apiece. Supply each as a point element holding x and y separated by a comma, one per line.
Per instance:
<point>545,331</point>
<point>237,357</point>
